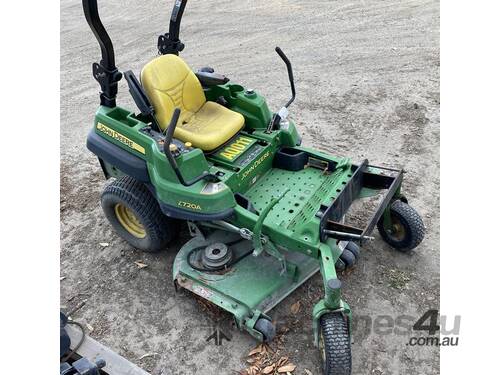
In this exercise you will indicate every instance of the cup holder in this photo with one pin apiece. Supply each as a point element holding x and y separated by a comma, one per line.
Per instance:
<point>235,89</point>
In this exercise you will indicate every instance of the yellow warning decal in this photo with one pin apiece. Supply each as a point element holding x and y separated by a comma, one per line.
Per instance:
<point>120,138</point>
<point>236,148</point>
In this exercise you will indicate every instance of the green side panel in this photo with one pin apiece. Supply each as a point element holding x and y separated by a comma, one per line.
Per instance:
<point>289,136</point>
<point>122,128</point>
<point>250,104</point>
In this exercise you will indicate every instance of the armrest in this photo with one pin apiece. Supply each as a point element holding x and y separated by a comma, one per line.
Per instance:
<point>208,77</point>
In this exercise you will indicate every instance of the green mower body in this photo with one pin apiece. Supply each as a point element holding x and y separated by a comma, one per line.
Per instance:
<point>264,212</point>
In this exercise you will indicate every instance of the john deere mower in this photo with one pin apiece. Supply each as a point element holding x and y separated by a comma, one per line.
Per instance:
<point>265,213</point>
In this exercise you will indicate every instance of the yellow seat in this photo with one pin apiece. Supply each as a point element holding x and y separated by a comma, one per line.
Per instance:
<point>170,83</point>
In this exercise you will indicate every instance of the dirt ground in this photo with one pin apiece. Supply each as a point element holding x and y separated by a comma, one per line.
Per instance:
<point>367,78</point>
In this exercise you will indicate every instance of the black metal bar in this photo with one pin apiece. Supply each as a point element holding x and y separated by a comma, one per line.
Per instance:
<point>343,201</point>
<point>104,72</point>
<point>361,178</point>
<point>384,204</point>
<point>170,43</point>
<point>377,181</point>
<point>339,227</point>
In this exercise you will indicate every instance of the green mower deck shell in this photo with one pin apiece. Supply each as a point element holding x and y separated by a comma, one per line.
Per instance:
<point>251,287</point>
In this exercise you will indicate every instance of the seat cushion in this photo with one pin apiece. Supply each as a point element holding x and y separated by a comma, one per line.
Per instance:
<point>169,84</point>
<point>210,127</point>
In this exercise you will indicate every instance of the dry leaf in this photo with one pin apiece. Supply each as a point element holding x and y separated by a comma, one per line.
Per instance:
<point>90,328</point>
<point>253,370</point>
<point>282,361</point>
<point>308,372</point>
<point>295,307</point>
<point>256,350</point>
<point>104,244</point>
<point>250,360</point>
<point>62,278</point>
<point>268,369</point>
<point>140,265</point>
<point>287,368</point>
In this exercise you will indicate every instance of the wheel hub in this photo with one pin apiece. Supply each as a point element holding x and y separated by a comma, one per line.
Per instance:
<point>129,221</point>
<point>216,256</point>
<point>397,229</point>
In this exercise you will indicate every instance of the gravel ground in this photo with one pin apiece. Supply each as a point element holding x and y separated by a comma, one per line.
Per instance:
<point>367,78</point>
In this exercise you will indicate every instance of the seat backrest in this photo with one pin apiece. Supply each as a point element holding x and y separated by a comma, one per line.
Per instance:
<point>170,83</point>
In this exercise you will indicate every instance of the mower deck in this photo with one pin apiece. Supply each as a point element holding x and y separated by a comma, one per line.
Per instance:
<point>251,286</point>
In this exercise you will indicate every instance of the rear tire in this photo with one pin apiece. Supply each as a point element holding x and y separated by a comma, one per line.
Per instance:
<point>335,344</point>
<point>136,216</point>
<point>407,230</point>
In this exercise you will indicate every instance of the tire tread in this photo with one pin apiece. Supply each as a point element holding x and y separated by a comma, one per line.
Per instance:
<point>337,340</point>
<point>136,195</point>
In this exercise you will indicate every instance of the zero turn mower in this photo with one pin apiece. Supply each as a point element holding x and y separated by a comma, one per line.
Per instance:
<point>264,212</point>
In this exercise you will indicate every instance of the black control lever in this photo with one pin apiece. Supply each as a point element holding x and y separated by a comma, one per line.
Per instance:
<point>171,159</point>
<point>140,98</point>
<point>283,112</point>
<point>290,74</point>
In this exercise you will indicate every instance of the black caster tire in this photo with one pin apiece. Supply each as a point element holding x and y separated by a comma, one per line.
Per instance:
<point>348,258</point>
<point>267,329</point>
<point>136,216</point>
<point>353,248</point>
<point>407,229</point>
<point>335,344</point>
<point>340,265</point>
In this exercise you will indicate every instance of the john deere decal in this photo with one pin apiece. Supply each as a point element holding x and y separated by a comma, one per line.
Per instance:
<point>120,138</point>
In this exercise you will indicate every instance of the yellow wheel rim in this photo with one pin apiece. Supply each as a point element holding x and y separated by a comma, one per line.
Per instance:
<point>129,221</point>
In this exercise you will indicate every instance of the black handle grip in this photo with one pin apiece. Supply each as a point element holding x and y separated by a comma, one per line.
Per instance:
<point>290,73</point>
<point>171,128</point>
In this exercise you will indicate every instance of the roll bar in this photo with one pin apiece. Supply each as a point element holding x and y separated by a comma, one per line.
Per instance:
<point>170,43</point>
<point>105,72</point>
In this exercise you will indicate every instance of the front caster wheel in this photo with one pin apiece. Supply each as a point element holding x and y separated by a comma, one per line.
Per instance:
<point>406,229</point>
<point>335,344</point>
<point>267,329</point>
<point>349,256</point>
